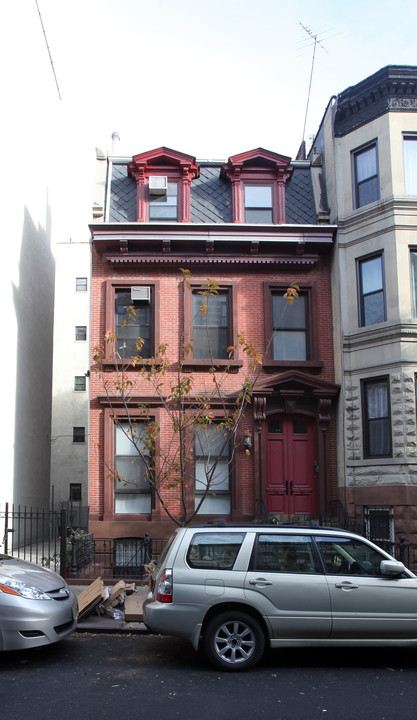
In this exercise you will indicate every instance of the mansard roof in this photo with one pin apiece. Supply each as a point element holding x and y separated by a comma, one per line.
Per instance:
<point>211,195</point>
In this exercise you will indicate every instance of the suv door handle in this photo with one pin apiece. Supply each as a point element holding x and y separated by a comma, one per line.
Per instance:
<point>346,586</point>
<point>260,581</point>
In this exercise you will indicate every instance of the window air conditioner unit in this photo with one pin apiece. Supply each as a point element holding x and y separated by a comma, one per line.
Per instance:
<point>140,292</point>
<point>158,185</point>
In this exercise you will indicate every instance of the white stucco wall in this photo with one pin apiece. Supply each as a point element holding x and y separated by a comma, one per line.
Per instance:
<point>69,461</point>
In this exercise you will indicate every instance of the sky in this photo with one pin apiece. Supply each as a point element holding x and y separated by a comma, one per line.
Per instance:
<point>213,78</point>
<point>207,78</point>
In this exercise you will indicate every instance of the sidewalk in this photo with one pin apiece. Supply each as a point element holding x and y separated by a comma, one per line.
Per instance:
<point>95,623</point>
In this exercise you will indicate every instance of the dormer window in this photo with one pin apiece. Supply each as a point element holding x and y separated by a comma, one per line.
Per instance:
<point>258,204</point>
<point>163,178</point>
<point>164,206</point>
<point>258,179</point>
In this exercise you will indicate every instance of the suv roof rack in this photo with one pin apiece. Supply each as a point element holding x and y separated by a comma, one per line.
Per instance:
<point>314,524</point>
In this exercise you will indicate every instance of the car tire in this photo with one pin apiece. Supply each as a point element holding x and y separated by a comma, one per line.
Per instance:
<point>233,641</point>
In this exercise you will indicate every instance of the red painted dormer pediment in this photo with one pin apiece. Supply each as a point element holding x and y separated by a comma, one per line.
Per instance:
<point>164,157</point>
<point>256,167</point>
<point>259,158</point>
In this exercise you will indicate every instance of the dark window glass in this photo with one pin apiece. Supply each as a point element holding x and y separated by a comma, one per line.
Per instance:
<point>258,204</point>
<point>211,551</point>
<point>275,427</point>
<point>366,176</point>
<point>290,328</point>
<point>164,207</point>
<point>79,383</point>
<point>377,418</point>
<point>299,427</point>
<point>129,329</point>
<point>81,332</point>
<point>78,434</point>
<point>75,492</point>
<point>371,291</point>
<point>284,553</point>
<point>346,556</point>
<point>211,329</point>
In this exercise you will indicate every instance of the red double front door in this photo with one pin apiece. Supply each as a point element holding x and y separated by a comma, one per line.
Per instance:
<point>291,476</point>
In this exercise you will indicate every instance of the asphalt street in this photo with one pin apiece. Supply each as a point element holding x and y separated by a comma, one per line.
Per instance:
<point>99,676</point>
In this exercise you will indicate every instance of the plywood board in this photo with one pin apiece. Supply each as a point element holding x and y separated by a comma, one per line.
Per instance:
<point>90,597</point>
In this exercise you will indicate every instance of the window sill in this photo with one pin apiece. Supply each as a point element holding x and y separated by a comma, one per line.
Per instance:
<point>126,363</point>
<point>128,517</point>
<point>231,366</point>
<point>303,364</point>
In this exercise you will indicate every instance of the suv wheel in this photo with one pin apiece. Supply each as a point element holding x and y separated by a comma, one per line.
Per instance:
<point>233,641</point>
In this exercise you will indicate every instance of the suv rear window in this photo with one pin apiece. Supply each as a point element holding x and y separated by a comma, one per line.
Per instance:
<point>212,551</point>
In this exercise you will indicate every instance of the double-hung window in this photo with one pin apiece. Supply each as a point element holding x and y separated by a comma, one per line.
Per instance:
<point>365,175</point>
<point>211,325</point>
<point>290,339</point>
<point>258,203</point>
<point>371,290</point>
<point>130,326</point>
<point>133,467</point>
<point>164,207</point>
<point>377,418</point>
<point>410,163</point>
<point>212,470</point>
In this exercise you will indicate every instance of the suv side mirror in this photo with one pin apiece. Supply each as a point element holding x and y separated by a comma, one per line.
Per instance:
<point>391,568</point>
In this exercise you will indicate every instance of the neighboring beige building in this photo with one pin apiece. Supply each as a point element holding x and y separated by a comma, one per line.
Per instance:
<point>365,158</point>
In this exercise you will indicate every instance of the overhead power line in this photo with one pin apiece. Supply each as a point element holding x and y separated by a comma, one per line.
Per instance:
<point>49,52</point>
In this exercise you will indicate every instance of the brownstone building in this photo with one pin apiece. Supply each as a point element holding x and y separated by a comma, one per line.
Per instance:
<point>251,224</point>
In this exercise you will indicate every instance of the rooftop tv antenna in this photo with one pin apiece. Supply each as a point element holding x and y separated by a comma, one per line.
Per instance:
<point>313,38</point>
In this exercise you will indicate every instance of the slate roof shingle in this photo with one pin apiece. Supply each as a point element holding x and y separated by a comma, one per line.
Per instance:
<point>211,197</point>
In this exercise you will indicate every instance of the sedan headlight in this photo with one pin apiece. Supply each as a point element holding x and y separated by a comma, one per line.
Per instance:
<point>14,587</point>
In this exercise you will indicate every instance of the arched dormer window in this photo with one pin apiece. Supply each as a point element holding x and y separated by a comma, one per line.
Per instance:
<point>258,180</point>
<point>163,178</point>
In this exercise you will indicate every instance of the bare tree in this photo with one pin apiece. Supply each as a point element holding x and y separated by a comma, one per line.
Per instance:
<point>203,417</point>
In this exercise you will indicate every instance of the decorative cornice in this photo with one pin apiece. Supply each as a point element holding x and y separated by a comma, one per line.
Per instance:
<point>391,89</point>
<point>167,259</point>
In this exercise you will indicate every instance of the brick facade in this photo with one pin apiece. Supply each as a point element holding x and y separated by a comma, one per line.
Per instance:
<point>251,259</point>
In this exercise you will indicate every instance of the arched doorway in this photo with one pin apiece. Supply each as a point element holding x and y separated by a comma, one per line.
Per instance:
<point>290,465</point>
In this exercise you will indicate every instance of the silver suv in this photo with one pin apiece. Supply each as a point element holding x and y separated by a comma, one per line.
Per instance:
<point>232,590</point>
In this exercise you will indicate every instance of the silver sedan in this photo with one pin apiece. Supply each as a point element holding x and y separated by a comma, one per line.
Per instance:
<point>36,605</point>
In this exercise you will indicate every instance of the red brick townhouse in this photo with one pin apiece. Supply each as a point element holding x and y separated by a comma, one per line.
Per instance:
<point>250,224</point>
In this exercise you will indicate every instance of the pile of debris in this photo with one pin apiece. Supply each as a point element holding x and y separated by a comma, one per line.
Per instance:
<point>120,602</point>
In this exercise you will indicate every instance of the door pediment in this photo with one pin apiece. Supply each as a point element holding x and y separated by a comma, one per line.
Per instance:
<point>297,383</point>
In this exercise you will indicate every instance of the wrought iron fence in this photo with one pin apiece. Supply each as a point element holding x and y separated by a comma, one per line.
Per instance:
<point>34,535</point>
<point>119,558</point>
<point>46,538</point>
